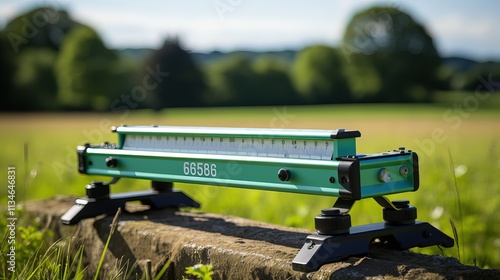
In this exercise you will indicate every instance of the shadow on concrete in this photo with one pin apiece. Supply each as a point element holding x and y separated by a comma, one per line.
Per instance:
<point>380,261</point>
<point>207,223</point>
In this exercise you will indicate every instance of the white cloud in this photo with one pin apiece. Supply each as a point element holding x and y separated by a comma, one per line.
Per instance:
<point>458,25</point>
<point>207,31</point>
<point>459,34</point>
<point>260,24</point>
<point>7,12</point>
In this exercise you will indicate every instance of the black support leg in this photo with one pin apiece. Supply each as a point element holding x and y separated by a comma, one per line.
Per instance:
<point>322,249</point>
<point>162,195</point>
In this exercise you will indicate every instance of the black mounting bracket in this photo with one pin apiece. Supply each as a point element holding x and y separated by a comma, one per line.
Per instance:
<point>322,249</point>
<point>99,201</point>
<point>337,240</point>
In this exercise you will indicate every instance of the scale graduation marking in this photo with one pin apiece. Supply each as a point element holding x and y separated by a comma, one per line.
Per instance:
<point>241,146</point>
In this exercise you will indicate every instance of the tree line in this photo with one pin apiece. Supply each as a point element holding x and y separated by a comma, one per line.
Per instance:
<point>51,62</point>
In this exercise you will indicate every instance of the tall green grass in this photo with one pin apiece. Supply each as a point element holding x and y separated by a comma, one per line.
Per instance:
<point>471,142</point>
<point>63,259</point>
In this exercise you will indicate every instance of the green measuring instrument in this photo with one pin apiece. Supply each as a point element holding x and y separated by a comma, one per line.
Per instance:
<point>319,162</point>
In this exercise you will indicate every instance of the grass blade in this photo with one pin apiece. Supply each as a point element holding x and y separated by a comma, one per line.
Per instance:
<point>455,235</point>
<point>80,270</point>
<point>175,250</point>
<point>112,230</point>
<point>459,204</point>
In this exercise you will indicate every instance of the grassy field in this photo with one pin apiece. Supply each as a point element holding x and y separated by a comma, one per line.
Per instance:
<point>458,148</point>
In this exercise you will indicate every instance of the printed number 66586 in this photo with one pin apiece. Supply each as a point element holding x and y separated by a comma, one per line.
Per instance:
<point>200,169</point>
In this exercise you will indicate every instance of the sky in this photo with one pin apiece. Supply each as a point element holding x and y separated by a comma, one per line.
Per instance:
<point>460,28</point>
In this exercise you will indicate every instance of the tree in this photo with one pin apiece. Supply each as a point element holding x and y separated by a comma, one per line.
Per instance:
<point>7,70</point>
<point>85,71</point>
<point>318,75</point>
<point>238,80</point>
<point>44,27</point>
<point>232,81</point>
<point>274,84</point>
<point>392,57</point>
<point>34,80</point>
<point>28,51</point>
<point>180,82</point>
<point>483,76</point>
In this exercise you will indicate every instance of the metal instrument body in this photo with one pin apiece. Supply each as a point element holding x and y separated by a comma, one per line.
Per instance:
<point>318,162</point>
<point>233,157</point>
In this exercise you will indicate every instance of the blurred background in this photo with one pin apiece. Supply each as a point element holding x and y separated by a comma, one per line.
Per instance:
<point>90,56</point>
<point>421,74</point>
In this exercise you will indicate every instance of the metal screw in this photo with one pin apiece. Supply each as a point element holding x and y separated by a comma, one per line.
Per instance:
<point>344,180</point>
<point>384,175</point>
<point>403,170</point>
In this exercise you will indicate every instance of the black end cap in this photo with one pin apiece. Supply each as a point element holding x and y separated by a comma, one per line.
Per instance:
<point>81,154</point>
<point>342,134</point>
<point>349,178</point>
<point>416,174</point>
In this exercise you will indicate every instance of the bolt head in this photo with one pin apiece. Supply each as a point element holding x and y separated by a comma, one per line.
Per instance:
<point>403,170</point>
<point>384,175</point>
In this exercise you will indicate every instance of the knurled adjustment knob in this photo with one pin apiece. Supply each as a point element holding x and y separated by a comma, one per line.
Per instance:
<point>284,174</point>
<point>97,190</point>
<point>111,162</point>
<point>405,215</point>
<point>332,221</point>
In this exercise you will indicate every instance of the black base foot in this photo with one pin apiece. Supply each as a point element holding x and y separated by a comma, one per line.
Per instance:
<point>322,249</point>
<point>91,207</point>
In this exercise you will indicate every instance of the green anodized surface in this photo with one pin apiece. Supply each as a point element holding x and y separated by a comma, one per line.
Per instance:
<point>249,158</point>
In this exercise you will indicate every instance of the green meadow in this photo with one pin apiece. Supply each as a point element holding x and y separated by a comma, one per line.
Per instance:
<point>458,147</point>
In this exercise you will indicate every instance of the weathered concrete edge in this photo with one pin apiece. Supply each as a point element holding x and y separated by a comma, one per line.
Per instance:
<point>237,248</point>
